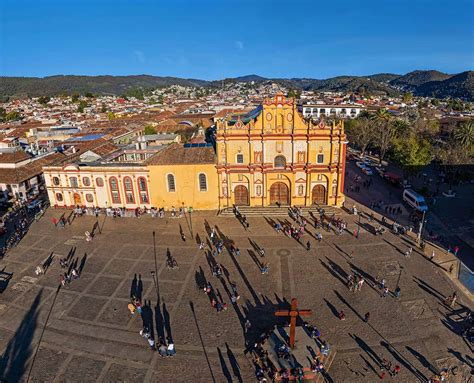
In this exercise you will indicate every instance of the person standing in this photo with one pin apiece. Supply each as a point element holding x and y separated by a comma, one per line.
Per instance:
<point>366,317</point>
<point>308,246</point>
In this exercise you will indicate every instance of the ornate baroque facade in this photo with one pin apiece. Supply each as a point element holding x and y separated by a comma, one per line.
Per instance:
<point>272,156</point>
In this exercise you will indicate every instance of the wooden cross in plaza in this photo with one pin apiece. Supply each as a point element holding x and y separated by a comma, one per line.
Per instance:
<point>293,314</point>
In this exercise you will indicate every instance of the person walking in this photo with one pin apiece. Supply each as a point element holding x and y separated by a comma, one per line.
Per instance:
<point>396,370</point>
<point>341,315</point>
<point>385,292</point>
<point>308,246</point>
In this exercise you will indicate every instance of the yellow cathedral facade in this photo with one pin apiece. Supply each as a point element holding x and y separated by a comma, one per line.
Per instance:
<point>272,156</point>
<point>269,156</point>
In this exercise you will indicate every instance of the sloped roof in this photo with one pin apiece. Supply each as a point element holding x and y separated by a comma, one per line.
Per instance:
<point>177,154</point>
<point>14,157</point>
<point>33,168</point>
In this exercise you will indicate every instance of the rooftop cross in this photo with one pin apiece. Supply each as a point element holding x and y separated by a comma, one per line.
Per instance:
<point>293,314</point>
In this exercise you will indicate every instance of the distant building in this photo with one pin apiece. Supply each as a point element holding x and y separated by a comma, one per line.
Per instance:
<point>317,111</point>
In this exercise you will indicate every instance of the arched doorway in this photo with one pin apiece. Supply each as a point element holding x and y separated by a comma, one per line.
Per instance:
<point>241,195</point>
<point>319,195</point>
<point>77,199</point>
<point>279,194</point>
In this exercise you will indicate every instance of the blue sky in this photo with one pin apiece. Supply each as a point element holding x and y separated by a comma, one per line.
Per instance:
<point>213,39</point>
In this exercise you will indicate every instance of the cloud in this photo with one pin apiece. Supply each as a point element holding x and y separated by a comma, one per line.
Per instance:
<point>239,44</point>
<point>139,56</point>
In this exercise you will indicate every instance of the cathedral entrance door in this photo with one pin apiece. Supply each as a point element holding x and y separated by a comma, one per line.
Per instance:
<point>279,194</point>
<point>241,195</point>
<point>319,195</point>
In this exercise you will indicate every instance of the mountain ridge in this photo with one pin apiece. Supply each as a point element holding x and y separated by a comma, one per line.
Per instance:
<point>429,83</point>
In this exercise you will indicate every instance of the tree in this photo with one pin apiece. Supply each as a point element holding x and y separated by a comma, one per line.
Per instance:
<point>401,127</point>
<point>82,105</point>
<point>408,98</point>
<point>412,153</point>
<point>464,135</point>
<point>75,97</point>
<point>150,130</point>
<point>361,132</point>
<point>103,108</point>
<point>43,100</point>
<point>294,93</point>
<point>12,116</point>
<point>89,95</point>
<point>385,131</point>
<point>2,114</point>
<point>435,102</point>
<point>111,115</point>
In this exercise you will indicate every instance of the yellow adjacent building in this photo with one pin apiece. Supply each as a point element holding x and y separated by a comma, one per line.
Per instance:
<point>184,176</point>
<point>271,156</point>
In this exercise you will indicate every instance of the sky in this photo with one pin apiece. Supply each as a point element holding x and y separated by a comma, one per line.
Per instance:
<point>215,39</point>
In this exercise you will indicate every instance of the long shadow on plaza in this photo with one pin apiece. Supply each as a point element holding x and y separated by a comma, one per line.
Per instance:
<point>225,369</point>
<point>18,350</point>
<point>234,363</point>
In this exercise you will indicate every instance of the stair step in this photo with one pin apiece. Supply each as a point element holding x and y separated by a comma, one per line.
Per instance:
<point>276,211</point>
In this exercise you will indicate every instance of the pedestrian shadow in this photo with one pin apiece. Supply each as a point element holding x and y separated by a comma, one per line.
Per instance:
<point>83,263</point>
<point>368,350</point>
<point>255,258</point>
<point>335,270</point>
<point>227,243</point>
<point>422,359</point>
<point>369,365</point>
<point>332,308</point>
<point>13,363</point>
<point>234,364</point>
<point>133,287</point>
<point>403,361</point>
<point>167,323</point>
<point>225,370</point>
<point>147,317</point>
<point>395,247</point>
<point>343,300</point>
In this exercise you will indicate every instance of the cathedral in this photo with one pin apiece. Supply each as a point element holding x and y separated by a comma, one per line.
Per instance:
<point>269,156</point>
<point>272,156</point>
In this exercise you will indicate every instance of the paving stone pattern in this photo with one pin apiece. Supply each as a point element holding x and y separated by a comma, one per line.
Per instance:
<point>91,336</point>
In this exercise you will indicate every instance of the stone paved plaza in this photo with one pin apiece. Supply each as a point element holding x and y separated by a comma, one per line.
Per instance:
<point>91,336</point>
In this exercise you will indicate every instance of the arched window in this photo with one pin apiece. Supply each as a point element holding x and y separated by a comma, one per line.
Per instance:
<point>86,181</point>
<point>73,182</point>
<point>59,197</point>
<point>280,161</point>
<point>99,181</point>
<point>202,182</point>
<point>143,190</point>
<point>171,184</point>
<point>128,186</point>
<point>56,181</point>
<point>89,198</point>
<point>114,190</point>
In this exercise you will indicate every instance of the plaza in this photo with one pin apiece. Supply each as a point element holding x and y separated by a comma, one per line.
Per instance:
<point>91,335</point>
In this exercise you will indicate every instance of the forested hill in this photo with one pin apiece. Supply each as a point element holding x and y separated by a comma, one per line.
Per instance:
<point>422,83</point>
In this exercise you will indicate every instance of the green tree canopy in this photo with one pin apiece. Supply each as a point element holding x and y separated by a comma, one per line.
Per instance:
<point>150,130</point>
<point>43,100</point>
<point>89,95</point>
<point>464,135</point>
<point>13,116</point>
<point>75,97</point>
<point>82,105</point>
<point>111,115</point>
<point>294,93</point>
<point>103,108</point>
<point>412,153</point>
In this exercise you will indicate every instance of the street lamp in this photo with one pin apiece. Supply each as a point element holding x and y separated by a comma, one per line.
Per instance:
<point>358,227</point>
<point>421,227</point>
